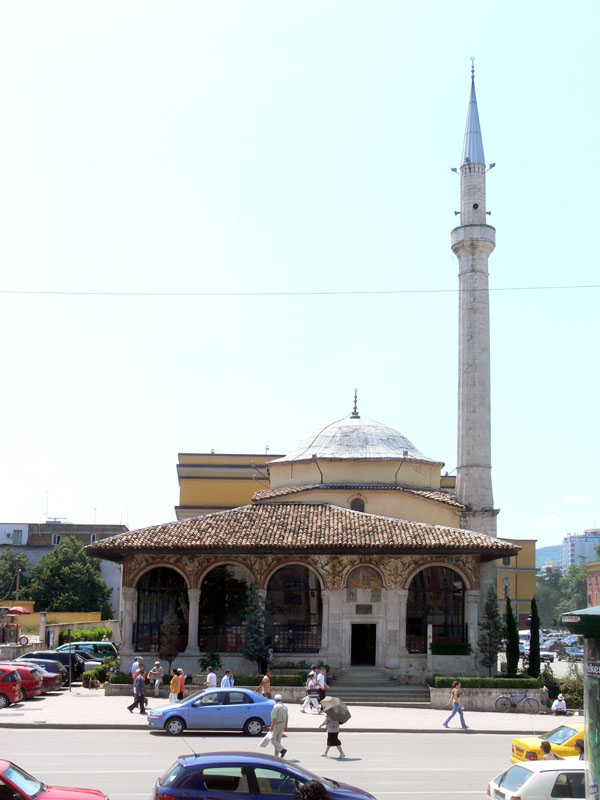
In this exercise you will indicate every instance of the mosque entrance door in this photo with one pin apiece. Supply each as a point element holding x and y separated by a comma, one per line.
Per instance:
<point>363,647</point>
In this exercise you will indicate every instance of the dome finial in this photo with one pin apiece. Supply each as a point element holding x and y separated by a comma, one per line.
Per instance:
<point>355,414</point>
<point>472,68</point>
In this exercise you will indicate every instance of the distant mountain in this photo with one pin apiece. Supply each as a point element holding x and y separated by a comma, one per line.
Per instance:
<point>545,554</point>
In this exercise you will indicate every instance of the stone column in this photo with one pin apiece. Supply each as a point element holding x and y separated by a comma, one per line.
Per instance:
<point>337,645</point>
<point>403,600</point>
<point>393,623</point>
<point>325,621</point>
<point>194,617</point>
<point>471,613</point>
<point>128,603</point>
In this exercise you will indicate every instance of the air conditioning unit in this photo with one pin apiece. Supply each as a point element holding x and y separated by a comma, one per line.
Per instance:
<point>9,535</point>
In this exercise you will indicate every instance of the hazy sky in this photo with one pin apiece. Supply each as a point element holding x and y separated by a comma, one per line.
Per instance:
<point>183,147</point>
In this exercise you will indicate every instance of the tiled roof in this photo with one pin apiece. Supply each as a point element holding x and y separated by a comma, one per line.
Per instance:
<point>431,494</point>
<point>309,528</point>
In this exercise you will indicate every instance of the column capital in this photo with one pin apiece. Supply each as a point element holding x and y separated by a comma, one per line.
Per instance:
<point>472,595</point>
<point>194,594</point>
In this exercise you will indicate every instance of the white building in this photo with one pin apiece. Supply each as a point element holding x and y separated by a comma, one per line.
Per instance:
<point>579,548</point>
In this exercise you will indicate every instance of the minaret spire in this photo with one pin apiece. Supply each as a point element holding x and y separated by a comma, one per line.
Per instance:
<point>472,242</point>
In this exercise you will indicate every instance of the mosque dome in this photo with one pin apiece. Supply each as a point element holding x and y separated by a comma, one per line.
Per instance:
<point>354,439</point>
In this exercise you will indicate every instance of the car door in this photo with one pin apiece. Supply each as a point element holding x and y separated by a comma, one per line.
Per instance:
<point>238,709</point>
<point>207,711</point>
<point>227,782</point>
<point>569,784</point>
<point>274,783</point>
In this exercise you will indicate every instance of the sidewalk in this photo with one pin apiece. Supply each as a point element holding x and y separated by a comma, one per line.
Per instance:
<point>85,708</point>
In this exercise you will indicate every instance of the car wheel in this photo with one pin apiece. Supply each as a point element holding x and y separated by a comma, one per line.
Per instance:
<point>253,727</point>
<point>175,726</point>
<point>4,701</point>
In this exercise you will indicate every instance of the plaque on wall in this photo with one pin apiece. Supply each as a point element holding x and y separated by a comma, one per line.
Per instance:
<point>364,609</point>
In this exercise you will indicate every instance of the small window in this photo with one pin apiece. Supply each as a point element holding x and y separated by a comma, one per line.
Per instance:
<point>212,699</point>
<point>18,537</point>
<point>272,781</point>
<point>569,784</point>
<point>226,779</point>
<point>506,561</point>
<point>93,537</point>
<point>239,698</point>
<point>55,538</point>
<point>11,677</point>
<point>358,504</point>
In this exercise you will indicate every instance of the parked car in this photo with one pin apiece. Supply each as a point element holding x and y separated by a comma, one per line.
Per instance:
<point>77,663</point>
<point>542,780</point>
<point>546,655</point>
<point>562,739</point>
<point>22,786</point>
<point>215,709</point>
<point>50,680</point>
<point>31,680</point>
<point>574,654</point>
<point>99,650</point>
<point>212,775</point>
<point>55,667</point>
<point>10,685</point>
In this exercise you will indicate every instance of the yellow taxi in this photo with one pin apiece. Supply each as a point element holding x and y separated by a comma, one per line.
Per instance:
<point>529,748</point>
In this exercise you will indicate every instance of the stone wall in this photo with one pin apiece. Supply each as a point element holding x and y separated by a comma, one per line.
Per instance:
<point>480,699</point>
<point>290,694</point>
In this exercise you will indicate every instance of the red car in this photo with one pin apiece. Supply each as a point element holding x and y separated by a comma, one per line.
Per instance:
<point>32,683</point>
<point>16,783</point>
<point>10,685</point>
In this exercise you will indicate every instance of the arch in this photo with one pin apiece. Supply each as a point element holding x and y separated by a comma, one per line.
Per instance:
<point>222,606</point>
<point>226,562</point>
<point>436,597</point>
<point>290,563</point>
<point>162,608</point>
<point>156,565</point>
<point>294,609</point>
<point>364,576</point>
<point>466,578</point>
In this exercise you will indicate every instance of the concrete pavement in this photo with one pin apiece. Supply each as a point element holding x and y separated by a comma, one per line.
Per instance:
<point>89,708</point>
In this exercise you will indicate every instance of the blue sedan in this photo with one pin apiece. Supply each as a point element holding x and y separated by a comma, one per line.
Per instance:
<point>245,776</point>
<point>215,709</point>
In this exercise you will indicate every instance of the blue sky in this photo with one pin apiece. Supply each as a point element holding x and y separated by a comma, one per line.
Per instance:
<point>289,147</point>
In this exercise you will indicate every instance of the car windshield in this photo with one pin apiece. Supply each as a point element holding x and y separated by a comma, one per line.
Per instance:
<point>302,772</point>
<point>26,783</point>
<point>559,735</point>
<point>514,778</point>
<point>171,775</point>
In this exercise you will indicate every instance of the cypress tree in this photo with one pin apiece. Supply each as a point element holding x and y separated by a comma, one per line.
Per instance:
<point>491,632</point>
<point>534,642</point>
<point>512,640</point>
<point>255,647</point>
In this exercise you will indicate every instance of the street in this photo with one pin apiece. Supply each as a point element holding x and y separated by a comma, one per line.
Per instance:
<point>126,763</point>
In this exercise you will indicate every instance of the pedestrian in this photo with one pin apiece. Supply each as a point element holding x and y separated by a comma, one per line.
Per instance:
<point>579,747</point>
<point>279,724</point>
<point>312,694</point>
<point>559,706</point>
<point>174,686</point>
<point>156,675</point>
<point>227,680</point>
<point>333,740</point>
<point>105,638</point>
<point>312,790</point>
<point>181,684</point>
<point>547,751</point>
<point>456,706</point>
<point>264,687</point>
<point>139,696</point>
<point>545,698</point>
<point>322,683</point>
<point>211,678</point>
<point>138,663</point>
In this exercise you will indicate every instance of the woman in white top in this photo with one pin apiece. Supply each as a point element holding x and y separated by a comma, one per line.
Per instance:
<point>312,694</point>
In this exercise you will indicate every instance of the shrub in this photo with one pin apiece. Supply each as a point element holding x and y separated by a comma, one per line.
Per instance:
<point>573,701</point>
<point>100,672</point>
<point>85,635</point>
<point>210,659</point>
<point>120,677</point>
<point>450,648</point>
<point>441,682</point>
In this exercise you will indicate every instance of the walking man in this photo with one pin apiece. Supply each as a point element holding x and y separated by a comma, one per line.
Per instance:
<point>322,684</point>
<point>156,675</point>
<point>227,680</point>
<point>279,724</point>
<point>139,697</point>
<point>264,687</point>
<point>211,679</point>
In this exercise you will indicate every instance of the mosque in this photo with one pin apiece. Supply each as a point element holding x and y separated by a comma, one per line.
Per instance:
<point>362,550</point>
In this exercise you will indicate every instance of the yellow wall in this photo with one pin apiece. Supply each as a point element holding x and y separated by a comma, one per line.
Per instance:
<point>32,621</point>
<point>520,573</point>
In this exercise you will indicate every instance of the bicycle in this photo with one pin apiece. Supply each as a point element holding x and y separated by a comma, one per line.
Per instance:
<point>508,702</point>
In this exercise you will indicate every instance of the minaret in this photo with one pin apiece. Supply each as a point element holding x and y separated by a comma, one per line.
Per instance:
<point>472,242</point>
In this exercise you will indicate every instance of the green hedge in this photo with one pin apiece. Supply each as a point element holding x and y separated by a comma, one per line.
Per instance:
<point>85,635</point>
<point>120,677</point>
<point>450,648</point>
<point>573,701</point>
<point>441,682</point>
<point>277,680</point>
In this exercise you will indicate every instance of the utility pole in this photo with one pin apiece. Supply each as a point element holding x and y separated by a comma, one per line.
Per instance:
<point>19,570</point>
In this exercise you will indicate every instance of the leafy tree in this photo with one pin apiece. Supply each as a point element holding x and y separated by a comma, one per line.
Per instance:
<point>255,647</point>
<point>169,640</point>
<point>548,596</point>
<point>574,588</point>
<point>491,631</point>
<point>9,563</point>
<point>534,642</point>
<point>512,640</point>
<point>67,579</point>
